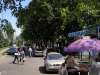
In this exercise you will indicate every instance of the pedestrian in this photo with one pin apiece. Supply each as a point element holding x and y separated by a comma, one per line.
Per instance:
<point>22,55</point>
<point>26,51</point>
<point>72,65</point>
<point>95,66</point>
<point>16,55</point>
<point>45,52</point>
<point>33,51</point>
<point>30,51</point>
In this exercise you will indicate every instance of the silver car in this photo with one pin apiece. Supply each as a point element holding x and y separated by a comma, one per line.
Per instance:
<point>53,61</point>
<point>38,52</point>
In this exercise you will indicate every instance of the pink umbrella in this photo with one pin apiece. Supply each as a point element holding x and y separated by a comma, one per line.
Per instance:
<point>84,44</point>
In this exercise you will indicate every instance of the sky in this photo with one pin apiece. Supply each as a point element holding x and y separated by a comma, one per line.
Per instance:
<point>7,15</point>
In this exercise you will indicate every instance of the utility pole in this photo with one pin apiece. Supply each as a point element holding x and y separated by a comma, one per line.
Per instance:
<point>98,30</point>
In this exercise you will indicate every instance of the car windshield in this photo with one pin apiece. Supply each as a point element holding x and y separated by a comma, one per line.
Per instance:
<point>55,57</point>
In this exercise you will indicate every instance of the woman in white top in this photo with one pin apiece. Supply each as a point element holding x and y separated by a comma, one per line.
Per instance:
<point>30,51</point>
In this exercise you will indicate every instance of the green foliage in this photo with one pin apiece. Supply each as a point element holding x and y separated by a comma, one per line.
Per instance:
<point>4,42</point>
<point>50,19</point>
<point>6,27</point>
<point>14,5</point>
<point>19,41</point>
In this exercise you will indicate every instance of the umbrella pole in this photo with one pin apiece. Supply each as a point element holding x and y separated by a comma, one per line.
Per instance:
<point>81,55</point>
<point>89,56</point>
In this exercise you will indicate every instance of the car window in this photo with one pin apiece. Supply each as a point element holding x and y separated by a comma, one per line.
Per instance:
<point>55,57</point>
<point>12,49</point>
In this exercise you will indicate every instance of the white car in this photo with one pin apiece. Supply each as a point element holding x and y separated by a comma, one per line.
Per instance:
<point>53,61</point>
<point>38,52</point>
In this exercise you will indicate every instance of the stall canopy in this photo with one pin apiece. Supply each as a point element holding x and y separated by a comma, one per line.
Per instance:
<point>84,44</point>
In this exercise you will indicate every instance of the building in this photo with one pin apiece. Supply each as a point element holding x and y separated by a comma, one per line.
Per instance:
<point>3,34</point>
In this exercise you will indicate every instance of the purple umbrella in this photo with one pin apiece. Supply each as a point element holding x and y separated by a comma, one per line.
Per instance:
<point>83,44</point>
<point>97,46</point>
<point>73,47</point>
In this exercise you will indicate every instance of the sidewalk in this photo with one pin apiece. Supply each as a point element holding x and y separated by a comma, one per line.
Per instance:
<point>3,56</point>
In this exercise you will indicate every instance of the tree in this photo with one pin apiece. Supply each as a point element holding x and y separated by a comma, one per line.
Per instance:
<point>7,27</point>
<point>48,20</point>
<point>13,5</point>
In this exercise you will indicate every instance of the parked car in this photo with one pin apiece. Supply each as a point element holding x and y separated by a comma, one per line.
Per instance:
<point>48,50</point>
<point>38,52</point>
<point>11,50</point>
<point>53,61</point>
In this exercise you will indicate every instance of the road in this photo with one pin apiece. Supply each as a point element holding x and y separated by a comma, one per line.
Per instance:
<point>32,66</point>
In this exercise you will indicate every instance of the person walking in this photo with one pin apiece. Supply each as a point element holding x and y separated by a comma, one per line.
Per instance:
<point>16,55</point>
<point>22,55</point>
<point>30,51</point>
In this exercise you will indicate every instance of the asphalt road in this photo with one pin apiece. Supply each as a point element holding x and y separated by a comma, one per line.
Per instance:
<point>32,66</point>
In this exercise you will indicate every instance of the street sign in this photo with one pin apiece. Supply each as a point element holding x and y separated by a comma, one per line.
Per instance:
<point>77,34</point>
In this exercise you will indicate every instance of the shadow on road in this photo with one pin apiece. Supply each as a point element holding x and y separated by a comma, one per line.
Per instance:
<point>38,56</point>
<point>42,70</point>
<point>4,53</point>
